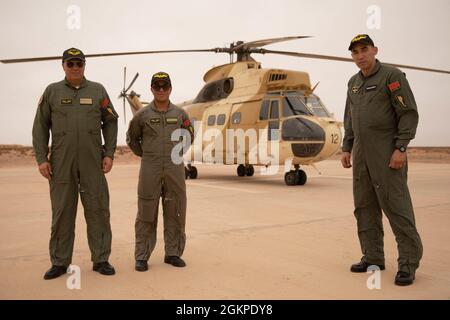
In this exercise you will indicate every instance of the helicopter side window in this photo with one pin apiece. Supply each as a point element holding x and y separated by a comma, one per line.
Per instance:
<point>274,112</point>
<point>220,119</point>
<point>236,118</point>
<point>211,120</point>
<point>264,113</point>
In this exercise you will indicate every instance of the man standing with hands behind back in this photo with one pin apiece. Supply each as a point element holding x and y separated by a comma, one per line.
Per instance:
<point>380,120</point>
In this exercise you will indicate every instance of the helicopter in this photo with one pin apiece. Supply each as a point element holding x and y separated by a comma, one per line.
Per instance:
<point>295,128</point>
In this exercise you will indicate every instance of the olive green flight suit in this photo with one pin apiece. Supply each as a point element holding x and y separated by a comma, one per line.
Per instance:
<point>76,118</point>
<point>380,116</point>
<point>149,137</point>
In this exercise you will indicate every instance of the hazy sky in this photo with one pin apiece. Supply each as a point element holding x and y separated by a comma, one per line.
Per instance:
<point>407,32</point>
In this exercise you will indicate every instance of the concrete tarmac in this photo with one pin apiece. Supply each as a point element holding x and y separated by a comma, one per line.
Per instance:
<point>247,238</point>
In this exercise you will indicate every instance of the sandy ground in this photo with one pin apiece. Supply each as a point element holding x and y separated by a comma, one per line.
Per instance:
<point>247,238</point>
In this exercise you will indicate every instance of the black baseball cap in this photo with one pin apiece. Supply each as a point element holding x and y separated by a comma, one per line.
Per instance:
<point>360,38</point>
<point>73,53</point>
<point>161,76</point>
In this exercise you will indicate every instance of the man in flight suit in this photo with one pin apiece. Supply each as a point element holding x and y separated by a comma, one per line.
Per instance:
<point>76,111</point>
<point>380,120</point>
<point>149,137</point>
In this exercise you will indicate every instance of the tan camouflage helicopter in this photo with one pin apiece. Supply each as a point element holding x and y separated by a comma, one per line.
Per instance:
<point>243,95</point>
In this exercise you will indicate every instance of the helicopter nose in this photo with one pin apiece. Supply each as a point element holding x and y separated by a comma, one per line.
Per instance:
<point>309,137</point>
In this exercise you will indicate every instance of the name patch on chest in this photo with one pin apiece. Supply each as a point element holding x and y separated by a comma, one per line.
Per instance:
<point>86,101</point>
<point>171,120</point>
<point>66,101</point>
<point>371,88</point>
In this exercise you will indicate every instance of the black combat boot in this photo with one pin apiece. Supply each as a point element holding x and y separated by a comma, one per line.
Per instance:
<point>362,266</point>
<point>104,268</point>
<point>55,272</point>
<point>404,278</point>
<point>141,265</point>
<point>175,261</point>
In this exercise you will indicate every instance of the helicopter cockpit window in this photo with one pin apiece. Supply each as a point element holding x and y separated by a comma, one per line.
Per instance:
<point>264,113</point>
<point>274,112</point>
<point>236,118</point>
<point>211,120</point>
<point>293,105</point>
<point>220,119</point>
<point>316,106</point>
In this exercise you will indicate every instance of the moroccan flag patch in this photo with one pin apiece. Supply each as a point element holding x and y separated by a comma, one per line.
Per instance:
<point>394,86</point>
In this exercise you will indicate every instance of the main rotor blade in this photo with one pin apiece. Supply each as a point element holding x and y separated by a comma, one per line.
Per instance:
<point>324,57</point>
<point>265,42</point>
<point>105,55</point>
<point>132,81</point>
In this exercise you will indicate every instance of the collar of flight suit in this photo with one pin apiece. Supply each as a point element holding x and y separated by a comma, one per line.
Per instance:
<point>82,84</point>
<point>152,105</point>
<point>374,72</point>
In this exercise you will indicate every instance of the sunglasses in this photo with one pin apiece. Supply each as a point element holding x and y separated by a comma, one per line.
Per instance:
<point>157,87</point>
<point>70,64</point>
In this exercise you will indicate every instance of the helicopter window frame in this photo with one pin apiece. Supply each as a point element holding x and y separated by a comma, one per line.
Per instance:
<point>236,118</point>
<point>211,120</point>
<point>221,119</point>
<point>274,105</point>
<point>264,110</point>
<point>290,110</point>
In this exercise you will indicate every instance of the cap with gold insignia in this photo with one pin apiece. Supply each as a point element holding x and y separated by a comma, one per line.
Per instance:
<point>161,76</point>
<point>360,38</point>
<point>73,53</point>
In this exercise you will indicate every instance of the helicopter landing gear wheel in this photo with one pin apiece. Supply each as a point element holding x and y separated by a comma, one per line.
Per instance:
<point>291,178</point>
<point>301,177</point>
<point>249,170</point>
<point>241,170</point>
<point>295,177</point>
<point>190,172</point>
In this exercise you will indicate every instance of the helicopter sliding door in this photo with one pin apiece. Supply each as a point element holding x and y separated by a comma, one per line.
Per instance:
<point>269,119</point>
<point>243,146</point>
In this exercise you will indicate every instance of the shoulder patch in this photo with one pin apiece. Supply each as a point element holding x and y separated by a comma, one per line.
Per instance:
<point>186,123</point>
<point>394,86</point>
<point>104,103</point>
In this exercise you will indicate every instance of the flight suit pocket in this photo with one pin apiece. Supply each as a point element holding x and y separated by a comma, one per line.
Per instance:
<point>148,208</point>
<point>57,140</point>
<point>96,138</point>
<point>152,126</point>
<point>396,191</point>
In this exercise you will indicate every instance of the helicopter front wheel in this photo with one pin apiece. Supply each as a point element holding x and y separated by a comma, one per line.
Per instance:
<point>295,177</point>
<point>190,172</point>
